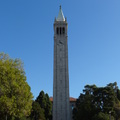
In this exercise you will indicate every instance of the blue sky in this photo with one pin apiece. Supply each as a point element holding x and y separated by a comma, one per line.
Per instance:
<point>26,32</point>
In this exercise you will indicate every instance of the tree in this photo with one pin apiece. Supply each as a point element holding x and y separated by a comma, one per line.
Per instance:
<point>97,102</point>
<point>41,99</point>
<point>101,116</point>
<point>15,95</point>
<point>118,94</point>
<point>104,99</point>
<point>45,103</point>
<point>84,105</point>
<point>37,112</point>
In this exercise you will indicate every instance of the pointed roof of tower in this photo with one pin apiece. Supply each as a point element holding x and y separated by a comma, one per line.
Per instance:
<point>60,15</point>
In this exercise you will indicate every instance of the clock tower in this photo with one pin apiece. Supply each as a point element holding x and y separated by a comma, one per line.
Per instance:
<point>61,107</point>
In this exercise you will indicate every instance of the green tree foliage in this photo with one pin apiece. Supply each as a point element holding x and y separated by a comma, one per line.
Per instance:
<point>45,104</point>
<point>37,112</point>
<point>101,116</point>
<point>85,108</point>
<point>97,102</point>
<point>15,95</point>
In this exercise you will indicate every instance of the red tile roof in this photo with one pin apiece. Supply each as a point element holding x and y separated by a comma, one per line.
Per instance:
<point>71,99</point>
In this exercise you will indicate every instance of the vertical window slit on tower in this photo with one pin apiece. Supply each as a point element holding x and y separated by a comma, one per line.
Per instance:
<point>57,30</point>
<point>60,31</point>
<point>63,29</point>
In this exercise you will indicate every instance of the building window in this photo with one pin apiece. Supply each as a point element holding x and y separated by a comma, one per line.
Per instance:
<point>57,30</point>
<point>60,31</point>
<point>63,29</point>
<point>72,106</point>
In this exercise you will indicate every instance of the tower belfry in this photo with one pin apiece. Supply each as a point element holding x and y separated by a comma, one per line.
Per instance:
<point>61,110</point>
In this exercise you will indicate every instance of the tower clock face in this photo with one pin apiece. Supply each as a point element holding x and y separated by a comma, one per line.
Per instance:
<point>61,47</point>
<point>60,42</point>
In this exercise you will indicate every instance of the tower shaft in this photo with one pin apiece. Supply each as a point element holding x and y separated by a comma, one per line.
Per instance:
<point>61,110</point>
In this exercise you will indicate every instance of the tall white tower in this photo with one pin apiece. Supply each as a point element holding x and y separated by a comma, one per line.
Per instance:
<point>61,110</point>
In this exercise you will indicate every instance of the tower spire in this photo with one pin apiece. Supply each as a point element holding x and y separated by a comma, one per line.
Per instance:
<point>60,15</point>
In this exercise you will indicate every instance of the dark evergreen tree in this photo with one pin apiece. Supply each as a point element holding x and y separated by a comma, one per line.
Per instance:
<point>37,112</point>
<point>45,104</point>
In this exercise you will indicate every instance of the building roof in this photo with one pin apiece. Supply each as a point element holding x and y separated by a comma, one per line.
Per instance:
<point>71,99</point>
<point>60,15</point>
